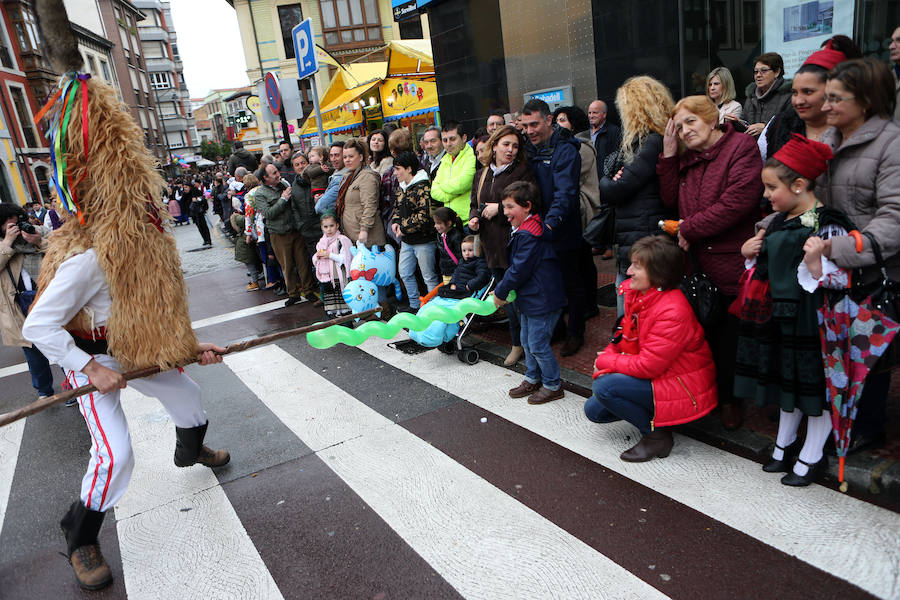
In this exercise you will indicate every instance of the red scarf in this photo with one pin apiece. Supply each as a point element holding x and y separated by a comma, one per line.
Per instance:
<point>342,193</point>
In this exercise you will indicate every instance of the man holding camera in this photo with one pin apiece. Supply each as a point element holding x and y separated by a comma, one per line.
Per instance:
<point>22,248</point>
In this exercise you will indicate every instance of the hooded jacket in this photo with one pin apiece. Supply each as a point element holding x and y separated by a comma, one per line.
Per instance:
<point>242,158</point>
<point>413,210</point>
<point>534,271</point>
<point>671,352</point>
<point>453,183</point>
<point>556,166</point>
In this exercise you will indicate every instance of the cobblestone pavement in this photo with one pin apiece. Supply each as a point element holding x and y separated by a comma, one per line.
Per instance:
<point>195,259</point>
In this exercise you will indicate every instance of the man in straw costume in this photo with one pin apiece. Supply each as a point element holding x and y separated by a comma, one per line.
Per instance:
<point>111,296</point>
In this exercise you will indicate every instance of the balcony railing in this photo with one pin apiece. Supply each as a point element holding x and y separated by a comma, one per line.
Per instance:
<point>158,65</point>
<point>152,33</point>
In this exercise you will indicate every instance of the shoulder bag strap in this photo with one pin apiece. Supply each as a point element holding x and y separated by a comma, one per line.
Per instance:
<point>876,250</point>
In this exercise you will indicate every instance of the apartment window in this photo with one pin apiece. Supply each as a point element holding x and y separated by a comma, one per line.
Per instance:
<point>289,15</point>
<point>350,22</point>
<point>411,29</point>
<point>5,54</point>
<point>143,117</point>
<point>175,54</point>
<point>161,81</point>
<point>105,68</point>
<point>26,30</point>
<point>25,120</point>
<point>175,139</point>
<point>42,174</point>
<point>92,65</point>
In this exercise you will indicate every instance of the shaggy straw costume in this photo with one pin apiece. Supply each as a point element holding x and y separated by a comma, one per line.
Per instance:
<point>110,290</point>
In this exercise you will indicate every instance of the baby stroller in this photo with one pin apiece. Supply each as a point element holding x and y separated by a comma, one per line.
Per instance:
<point>448,337</point>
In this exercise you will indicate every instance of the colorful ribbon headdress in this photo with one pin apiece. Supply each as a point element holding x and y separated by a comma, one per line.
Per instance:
<point>58,109</point>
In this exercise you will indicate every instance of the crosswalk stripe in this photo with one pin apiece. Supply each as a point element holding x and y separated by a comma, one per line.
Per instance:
<point>851,539</point>
<point>10,441</point>
<point>177,530</point>
<point>483,542</point>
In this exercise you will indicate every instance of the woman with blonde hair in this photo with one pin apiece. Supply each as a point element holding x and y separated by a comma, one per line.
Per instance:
<point>720,89</point>
<point>714,183</point>
<point>630,184</point>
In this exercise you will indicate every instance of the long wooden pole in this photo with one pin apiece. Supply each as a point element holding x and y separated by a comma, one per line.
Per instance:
<point>39,405</point>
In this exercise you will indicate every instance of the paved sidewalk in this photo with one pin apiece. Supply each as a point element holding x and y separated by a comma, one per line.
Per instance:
<point>875,474</point>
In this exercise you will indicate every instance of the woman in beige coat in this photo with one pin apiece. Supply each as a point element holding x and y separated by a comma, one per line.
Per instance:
<point>359,196</point>
<point>863,181</point>
<point>20,261</point>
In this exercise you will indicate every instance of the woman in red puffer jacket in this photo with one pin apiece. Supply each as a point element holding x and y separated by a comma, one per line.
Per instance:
<point>659,371</point>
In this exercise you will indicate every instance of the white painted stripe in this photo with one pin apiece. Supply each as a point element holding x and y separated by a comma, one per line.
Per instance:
<point>481,540</point>
<point>10,440</point>
<point>841,535</point>
<point>237,314</point>
<point>223,318</point>
<point>13,370</point>
<point>178,534</point>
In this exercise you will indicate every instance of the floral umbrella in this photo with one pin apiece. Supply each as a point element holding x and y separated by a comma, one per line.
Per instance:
<point>853,336</point>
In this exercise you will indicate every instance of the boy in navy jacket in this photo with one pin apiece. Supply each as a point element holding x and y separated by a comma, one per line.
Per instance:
<point>534,274</point>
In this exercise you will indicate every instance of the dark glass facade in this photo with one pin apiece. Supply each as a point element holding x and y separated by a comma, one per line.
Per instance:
<point>468,60</point>
<point>489,52</point>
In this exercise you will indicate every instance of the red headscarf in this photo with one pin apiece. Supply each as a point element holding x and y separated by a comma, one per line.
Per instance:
<point>826,57</point>
<point>804,156</point>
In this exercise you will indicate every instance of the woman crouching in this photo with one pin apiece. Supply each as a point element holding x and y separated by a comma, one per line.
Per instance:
<point>658,370</point>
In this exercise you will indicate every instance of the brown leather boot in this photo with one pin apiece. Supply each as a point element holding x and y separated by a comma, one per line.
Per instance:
<point>543,395</point>
<point>524,389</point>
<point>657,443</point>
<point>189,448</point>
<point>81,526</point>
<point>91,569</point>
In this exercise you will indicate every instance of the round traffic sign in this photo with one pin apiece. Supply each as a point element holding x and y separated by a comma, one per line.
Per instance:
<point>273,96</point>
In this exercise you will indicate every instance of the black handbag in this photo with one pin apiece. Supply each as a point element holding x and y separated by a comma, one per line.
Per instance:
<point>24,298</point>
<point>885,297</point>
<point>601,231</point>
<point>703,295</point>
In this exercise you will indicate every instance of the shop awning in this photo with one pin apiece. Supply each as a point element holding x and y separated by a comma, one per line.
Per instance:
<point>402,98</point>
<point>351,83</point>
<point>409,58</point>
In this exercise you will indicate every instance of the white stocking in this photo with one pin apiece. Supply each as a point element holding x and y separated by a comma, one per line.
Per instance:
<point>788,424</point>
<point>817,430</point>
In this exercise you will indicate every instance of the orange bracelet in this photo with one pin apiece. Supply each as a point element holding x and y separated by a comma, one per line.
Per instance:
<point>859,240</point>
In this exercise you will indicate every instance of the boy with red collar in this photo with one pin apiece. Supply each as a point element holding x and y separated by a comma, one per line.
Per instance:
<point>535,275</point>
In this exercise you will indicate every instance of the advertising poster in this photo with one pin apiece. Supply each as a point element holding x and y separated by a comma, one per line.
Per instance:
<point>796,28</point>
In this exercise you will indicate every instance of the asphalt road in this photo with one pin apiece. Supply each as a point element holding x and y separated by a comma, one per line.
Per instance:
<point>369,473</point>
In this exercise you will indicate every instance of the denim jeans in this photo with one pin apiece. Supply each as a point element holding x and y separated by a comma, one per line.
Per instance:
<point>511,314</point>
<point>618,397</point>
<point>41,376</point>
<point>540,363</point>
<point>410,255</point>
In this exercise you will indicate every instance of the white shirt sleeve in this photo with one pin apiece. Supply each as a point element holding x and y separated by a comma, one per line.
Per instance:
<point>77,280</point>
<point>833,277</point>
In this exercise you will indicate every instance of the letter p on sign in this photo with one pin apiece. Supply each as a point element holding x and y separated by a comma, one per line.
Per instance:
<point>304,49</point>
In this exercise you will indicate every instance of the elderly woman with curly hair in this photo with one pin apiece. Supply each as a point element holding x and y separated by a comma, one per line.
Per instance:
<point>632,186</point>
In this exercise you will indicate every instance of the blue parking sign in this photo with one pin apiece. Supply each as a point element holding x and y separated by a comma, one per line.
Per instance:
<point>305,49</point>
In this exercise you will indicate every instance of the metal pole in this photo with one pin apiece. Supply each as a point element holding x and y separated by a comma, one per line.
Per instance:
<point>315,95</point>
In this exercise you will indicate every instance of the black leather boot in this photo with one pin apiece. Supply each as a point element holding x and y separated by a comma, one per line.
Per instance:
<point>657,443</point>
<point>81,527</point>
<point>189,448</point>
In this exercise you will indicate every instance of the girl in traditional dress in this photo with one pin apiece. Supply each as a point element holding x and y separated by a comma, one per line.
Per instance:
<point>331,261</point>
<point>779,356</point>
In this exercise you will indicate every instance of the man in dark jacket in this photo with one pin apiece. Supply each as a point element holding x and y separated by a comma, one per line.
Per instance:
<point>241,158</point>
<point>606,137</point>
<point>555,160</point>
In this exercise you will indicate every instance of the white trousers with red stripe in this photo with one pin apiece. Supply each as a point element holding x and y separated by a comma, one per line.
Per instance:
<point>112,459</point>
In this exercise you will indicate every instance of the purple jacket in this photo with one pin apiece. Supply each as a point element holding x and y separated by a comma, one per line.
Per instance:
<point>717,193</point>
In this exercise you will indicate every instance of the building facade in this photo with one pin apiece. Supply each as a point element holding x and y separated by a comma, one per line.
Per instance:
<point>159,45</point>
<point>490,54</point>
<point>349,30</point>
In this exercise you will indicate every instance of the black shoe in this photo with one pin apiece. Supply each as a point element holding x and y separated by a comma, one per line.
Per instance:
<point>783,465</point>
<point>280,292</point>
<point>293,300</point>
<point>312,297</point>
<point>572,345</point>
<point>794,480</point>
<point>189,448</point>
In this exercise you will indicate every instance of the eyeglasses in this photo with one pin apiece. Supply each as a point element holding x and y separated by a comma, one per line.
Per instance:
<point>761,71</point>
<point>832,99</point>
